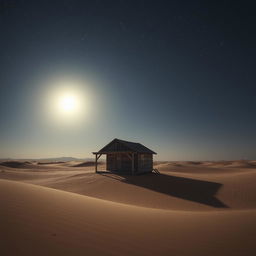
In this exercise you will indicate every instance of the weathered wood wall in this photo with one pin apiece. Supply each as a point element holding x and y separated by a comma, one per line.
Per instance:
<point>111,162</point>
<point>122,162</point>
<point>145,163</point>
<point>118,162</point>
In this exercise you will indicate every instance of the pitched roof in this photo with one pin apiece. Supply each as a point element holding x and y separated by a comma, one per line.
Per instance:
<point>118,145</point>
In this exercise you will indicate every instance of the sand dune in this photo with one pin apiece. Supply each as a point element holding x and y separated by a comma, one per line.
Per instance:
<point>43,221</point>
<point>86,164</point>
<point>190,188</point>
<point>207,167</point>
<point>57,162</point>
<point>191,208</point>
<point>16,164</point>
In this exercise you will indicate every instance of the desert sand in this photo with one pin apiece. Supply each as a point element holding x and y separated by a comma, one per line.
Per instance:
<point>191,208</point>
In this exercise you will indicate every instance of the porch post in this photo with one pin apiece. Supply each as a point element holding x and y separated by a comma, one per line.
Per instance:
<point>96,163</point>
<point>132,163</point>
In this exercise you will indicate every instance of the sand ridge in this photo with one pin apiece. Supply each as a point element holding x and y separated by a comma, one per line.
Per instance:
<point>62,209</point>
<point>192,187</point>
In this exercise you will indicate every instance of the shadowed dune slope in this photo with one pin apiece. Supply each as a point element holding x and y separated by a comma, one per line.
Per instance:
<point>16,164</point>
<point>167,190</point>
<point>199,186</point>
<point>85,164</point>
<point>42,221</point>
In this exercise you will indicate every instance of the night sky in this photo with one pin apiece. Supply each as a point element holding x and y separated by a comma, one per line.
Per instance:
<point>177,76</point>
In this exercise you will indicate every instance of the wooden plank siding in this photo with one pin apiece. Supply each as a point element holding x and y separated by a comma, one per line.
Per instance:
<point>145,163</point>
<point>122,162</point>
<point>118,162</point>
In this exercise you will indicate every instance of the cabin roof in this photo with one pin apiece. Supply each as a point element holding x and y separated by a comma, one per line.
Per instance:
<point>118,145</point>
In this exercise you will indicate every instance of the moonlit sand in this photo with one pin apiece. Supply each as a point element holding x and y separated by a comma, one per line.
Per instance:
<point>191,208</point>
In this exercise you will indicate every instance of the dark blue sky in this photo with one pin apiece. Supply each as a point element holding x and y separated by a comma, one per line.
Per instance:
<point>177,76</point>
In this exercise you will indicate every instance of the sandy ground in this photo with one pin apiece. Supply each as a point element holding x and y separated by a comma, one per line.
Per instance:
<point>191,208</point>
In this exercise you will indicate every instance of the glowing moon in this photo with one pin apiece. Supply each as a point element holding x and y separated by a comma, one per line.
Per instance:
<point>68,103</point>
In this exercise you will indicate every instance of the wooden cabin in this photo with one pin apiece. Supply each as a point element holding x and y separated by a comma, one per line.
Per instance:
<point>126,157</point>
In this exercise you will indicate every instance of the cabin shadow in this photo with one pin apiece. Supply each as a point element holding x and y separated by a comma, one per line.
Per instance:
<point>199,191</point>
